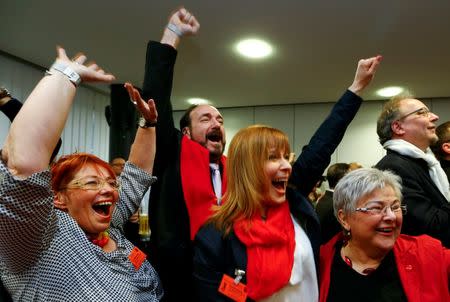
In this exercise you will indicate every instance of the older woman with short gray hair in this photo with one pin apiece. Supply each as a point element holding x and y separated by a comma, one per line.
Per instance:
<point>363,182</point>
<point>371,260</point>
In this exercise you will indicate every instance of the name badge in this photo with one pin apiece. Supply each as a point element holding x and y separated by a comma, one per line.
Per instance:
<point>137,257</point>
<point>236,291</point>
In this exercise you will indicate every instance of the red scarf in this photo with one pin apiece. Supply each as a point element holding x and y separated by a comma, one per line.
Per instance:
<point>270,250</point>
<point>196,182</point>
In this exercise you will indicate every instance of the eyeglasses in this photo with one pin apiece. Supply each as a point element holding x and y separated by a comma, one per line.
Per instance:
<point>424,111</point>
<point>93,183</point>
<point>380,210</point>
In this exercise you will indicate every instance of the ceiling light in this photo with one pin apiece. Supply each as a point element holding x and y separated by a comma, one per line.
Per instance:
<point>254,48</point>
<point>389,91</point>
<point>197,101</point>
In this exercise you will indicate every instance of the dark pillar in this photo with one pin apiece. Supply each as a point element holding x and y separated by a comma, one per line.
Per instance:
<point>123,121</point>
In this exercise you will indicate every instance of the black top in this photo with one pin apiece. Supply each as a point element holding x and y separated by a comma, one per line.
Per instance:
<point>329,225</point>
<point>348,285</point>
<point>428,210</point>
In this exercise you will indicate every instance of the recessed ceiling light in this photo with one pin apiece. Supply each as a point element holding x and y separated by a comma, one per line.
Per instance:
<point>197,101</point>
<point>254,48</point>
<point>389,91</point>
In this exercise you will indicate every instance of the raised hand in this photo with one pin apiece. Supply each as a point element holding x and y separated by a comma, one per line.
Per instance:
<point>186,22</point>
<point>88,73</point>
<point>147,109</point>
<point>142,152</point>
<point>364,73</point>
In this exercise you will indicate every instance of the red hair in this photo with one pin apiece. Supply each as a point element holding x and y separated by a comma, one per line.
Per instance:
<point>65,168</point>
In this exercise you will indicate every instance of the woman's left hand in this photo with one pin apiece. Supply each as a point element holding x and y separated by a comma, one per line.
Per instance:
<point>147,109</point>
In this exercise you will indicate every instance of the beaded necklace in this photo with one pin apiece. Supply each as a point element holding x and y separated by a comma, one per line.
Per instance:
<point>348,261</point>
<point>101,240</point>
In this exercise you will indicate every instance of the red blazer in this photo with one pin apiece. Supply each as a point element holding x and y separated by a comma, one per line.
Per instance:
<point>423,266</point>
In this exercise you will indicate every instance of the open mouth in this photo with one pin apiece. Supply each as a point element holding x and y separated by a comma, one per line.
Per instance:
<point>214,136</point>
<point>103,208</point>
<point>385,230</point>
<point>279,184</point>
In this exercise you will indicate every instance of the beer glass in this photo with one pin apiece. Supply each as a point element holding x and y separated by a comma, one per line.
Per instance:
<point>144,229</point>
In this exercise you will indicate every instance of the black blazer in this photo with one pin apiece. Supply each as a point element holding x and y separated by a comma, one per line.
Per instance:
<point>170,249</point>
<point>428,210</point>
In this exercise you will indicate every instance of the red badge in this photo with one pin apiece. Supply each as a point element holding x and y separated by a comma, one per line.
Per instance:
<point>137,257</point>
<point>236,292</point>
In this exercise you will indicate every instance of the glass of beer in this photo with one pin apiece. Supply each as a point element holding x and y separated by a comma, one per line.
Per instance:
<point>144,230</point>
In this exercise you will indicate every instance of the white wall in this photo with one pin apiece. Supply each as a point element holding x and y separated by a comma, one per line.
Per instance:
<point>299,122</point>
<point>86,129</point>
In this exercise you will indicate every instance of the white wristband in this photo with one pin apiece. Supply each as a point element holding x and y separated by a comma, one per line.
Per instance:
<point>67,71</point>
<point>172,27</point>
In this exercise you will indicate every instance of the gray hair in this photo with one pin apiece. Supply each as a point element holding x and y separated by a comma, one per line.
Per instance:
<point>390,113</point>
<point>360,183</point>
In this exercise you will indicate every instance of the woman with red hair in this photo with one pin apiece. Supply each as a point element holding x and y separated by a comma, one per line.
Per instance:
<point>61,232</point>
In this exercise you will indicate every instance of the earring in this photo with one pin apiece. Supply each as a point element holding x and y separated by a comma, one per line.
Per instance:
<point>347,236</point>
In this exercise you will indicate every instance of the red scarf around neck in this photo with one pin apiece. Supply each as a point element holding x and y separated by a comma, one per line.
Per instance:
<point>270,250</point>
<point>197,183</point>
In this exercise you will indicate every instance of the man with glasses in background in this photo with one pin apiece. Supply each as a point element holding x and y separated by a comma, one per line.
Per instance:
<point>406,129</point>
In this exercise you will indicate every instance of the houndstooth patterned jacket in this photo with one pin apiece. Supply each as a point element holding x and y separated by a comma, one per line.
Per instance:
<point>46,256</point>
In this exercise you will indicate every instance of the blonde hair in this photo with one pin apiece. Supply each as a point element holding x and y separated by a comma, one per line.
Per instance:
<point>247,185</point>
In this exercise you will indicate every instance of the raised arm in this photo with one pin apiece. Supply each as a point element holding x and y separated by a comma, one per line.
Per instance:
<point>364,74</point>
<point>48,104</point>
<point>181,23</point>
<point>159,68</point>
<point>142,153</point>
<point>316,156</point>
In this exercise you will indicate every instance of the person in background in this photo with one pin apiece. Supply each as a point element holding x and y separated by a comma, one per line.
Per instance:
<point>441,148</point>
<point>117,164</point>
<point>316,193</point>
<point>131,227</point>
<point>72,216</point>
<point>264,240</point>
<point>11,106</point>
<point>328,223</point>
<point>371,260</point>
<point>291,158</point>
<point>406,129</point>
<point>354,166</point>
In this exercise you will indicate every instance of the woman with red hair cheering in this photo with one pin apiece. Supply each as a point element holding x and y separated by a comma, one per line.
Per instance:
<point>61,232</point>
